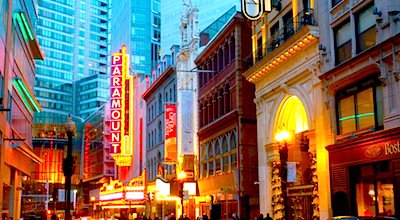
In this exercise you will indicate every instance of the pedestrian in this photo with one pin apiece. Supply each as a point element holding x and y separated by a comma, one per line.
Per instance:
<point>172,217</point>
<point>268,217</point>
<point>205,217</point>
<point>235,217</point>
<point>185,217</point>
<point>261,217</point>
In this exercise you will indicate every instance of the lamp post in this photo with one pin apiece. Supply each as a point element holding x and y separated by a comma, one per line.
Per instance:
<point>226,191</point>
<point>93,199</point>
<point>67,166</point>
<point>282,138</point>
<point>182,177</point>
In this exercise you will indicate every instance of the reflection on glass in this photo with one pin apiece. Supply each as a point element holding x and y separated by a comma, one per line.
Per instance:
<point>368,200</point>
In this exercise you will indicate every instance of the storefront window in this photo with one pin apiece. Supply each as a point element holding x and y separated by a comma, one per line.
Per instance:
<point>374,189</point>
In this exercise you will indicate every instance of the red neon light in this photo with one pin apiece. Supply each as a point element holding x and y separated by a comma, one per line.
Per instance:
<point>116,105</point>
<point>170,132</point>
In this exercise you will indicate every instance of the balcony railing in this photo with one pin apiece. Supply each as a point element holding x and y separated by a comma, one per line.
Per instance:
<point>293,26</point>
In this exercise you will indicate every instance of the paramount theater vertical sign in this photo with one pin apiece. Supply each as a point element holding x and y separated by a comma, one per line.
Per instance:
<point>170,133</point>
<point>118,128</point>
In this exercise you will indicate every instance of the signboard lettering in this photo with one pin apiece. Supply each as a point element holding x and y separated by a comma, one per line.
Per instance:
<point>253,9</point>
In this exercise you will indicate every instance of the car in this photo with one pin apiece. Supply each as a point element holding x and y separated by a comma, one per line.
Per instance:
<point>344,218</point>
<point>377,218</point>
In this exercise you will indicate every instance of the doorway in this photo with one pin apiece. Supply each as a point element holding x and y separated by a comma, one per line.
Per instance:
<point>372,189</point>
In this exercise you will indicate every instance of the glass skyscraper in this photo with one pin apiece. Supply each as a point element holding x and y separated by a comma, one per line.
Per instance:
<point>137,24</point>
<point>72,80</point>
<point>209,10</point>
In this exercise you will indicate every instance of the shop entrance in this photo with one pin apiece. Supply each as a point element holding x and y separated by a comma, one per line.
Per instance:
<point>372,189</point>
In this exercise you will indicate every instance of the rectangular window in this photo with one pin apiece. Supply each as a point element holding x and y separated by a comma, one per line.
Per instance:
<point>288,29</point>
<point>366,33</point>
<point>233,161</point>
<point>211,168</point>
<point>225,164</point>
<point>343,42</point>
<point>204,173</point>
<point>360,107</point>
<point>218,168</point>
<point>335,2</point>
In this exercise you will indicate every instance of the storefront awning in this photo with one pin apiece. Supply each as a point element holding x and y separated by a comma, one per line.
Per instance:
<point>215,184</point>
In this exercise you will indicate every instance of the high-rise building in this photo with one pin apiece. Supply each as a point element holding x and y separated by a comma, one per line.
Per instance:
<point>136,24</point>
<point>71,81</point>
<point>141,36</point>
<point>18,50</point>
<point>209,11</point>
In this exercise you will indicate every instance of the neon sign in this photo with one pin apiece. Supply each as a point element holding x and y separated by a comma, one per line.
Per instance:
<point>170,133</point>
<point>117,81</point>
<point>120,133</point>
<point>253,9</point>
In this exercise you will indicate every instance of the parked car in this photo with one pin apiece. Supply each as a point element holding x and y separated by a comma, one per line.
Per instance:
<point>344,218</point>
<point>377,218</point>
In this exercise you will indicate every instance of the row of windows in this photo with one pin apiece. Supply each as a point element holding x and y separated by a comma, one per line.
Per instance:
<point>53,73</point>
<point>219,155</point>
<point>55,26</point>
<point>152,111</point>
<point>217,62</point>
<point>215,106</point>
<point>58,106</point>
<point>52,95</point>
<point>56,36</point>
<point>90,105</point>
<point>55,17</point>
<point>56,7</point>
<point>57,65</point>
<point>53,85</point>
<point>153,168</point>
<point>364,32</point>
<point>56,45</point>
<point>152,138</point>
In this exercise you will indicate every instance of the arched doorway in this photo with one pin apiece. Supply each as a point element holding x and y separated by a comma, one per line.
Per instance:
<point>295,166</point>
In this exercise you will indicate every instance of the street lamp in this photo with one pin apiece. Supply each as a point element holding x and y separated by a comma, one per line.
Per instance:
<point>226,191</point>
<point>282,138</point>
<point>93,199</point>
<point>182,177</point>
<point>67,166</point>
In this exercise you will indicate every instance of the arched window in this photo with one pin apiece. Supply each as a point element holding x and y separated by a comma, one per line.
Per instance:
<point>215,106</point>
<point>160,105</point>
<point>151,139</point>
<point>166,96</point>
<point>221,109</point>
<point>209,111</point>
<point>151,169</point>
<point>224,145</point>
<point>170,95</point>
<point>232,143</point>
<point>201,118</point>
<point>220,60</point>
<point>205,113</point>
<point>233,48</point>
<point>227,98</point>
<point>174,93</point>
<point>155,136</point>
<point>210,150</point>
<point>218,148</point>
<point>226,53</point>
<point>160,134</point>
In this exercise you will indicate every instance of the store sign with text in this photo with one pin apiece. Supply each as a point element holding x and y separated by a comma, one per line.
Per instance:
<point>383,149</point>
<point>170,133</point>
<point>116,104</point>
<point>254,9</point>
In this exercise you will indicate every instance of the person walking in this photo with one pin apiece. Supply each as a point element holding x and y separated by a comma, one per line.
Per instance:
<point>267,217</point>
